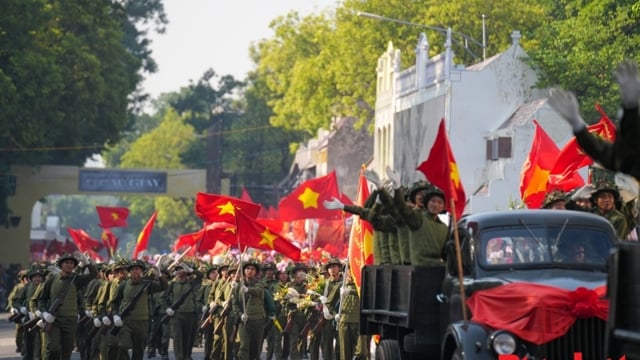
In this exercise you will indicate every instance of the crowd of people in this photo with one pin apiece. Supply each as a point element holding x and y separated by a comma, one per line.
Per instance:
<point>233,309</point>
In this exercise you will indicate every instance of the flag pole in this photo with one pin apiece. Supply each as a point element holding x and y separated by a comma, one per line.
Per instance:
<point>456,237</point>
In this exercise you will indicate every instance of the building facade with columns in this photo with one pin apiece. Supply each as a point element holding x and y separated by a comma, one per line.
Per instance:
<point>488,109</point>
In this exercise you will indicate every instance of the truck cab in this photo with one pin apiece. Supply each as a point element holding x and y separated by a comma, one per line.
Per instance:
<point>533,280</point>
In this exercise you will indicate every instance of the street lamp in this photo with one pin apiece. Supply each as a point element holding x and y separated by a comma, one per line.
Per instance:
<point>465,37</point>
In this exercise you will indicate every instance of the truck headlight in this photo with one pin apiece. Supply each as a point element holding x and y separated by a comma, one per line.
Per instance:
<point>503,343</point>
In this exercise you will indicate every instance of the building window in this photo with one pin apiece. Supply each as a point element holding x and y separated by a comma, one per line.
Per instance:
<point>499,148</point>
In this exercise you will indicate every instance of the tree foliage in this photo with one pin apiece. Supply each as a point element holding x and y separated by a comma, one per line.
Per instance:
<point>581,48</point>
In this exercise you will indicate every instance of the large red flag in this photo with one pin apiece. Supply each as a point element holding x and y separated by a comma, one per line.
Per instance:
<point>112,216</point>
<point>442,171</point>
<point>572,158</point>
<point>217,232</point>
<point>253,234</point>
<point>361,236</point>
<point>219,208</point>
<point>305,202</point>
<point>143,239</point>
<point>84,241</point>
<point>535,170</point>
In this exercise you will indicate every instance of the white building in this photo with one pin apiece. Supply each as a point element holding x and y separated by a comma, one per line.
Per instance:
<point>488,110</point>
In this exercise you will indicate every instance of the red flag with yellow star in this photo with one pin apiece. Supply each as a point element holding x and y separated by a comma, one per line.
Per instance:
<point>534,176</point>
<point>361,237</point>
<point>112,216</point>
<point>110,241</point>
<point>84,241</point>
<point>441,170</point>
<point>572,157</point>
<point>143,239</point>
<point>219,208</point>
<point>305,202</point>
<point>253,234</point>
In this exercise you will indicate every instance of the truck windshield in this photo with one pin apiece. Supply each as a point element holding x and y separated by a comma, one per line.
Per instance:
<point>542,245</point>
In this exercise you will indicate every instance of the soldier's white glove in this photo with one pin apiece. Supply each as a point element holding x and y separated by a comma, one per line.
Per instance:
<point>244,289</point>
<point>23,310</point>
<point>205,308</point>
<point>337,318</point>
<point>14,311</point>
<point>394,176</point>
<point>328,316</point>
<point>32,315</point>
<point>39,313</point>
<point>272,317</point>
<point>345,291</point>
<point>97,322</point>
<point>244,317</point>
<point>627,185</point>
<point>117,321</point>
<point>566,104</point>
<point>323,299</point>
<point>82,258</point>
<point>627,76</point>
<point>333,204</point>
<point>234,284</point>
<point>48,317</point>
<point>41,323</point>
<point>373,177</point>
<point>106,321</point>
<point>89,313</point>
<point>584,192</point>
<point>388,187</point>
<point>170,311</point>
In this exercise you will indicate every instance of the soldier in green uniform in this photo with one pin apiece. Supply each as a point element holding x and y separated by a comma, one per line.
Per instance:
<point>31,340</point>
<point>556,200</point>
<point>297,288</point>
<point>183,308</point>
<point>159,332</point>
<point>88,294</point>
<point>269,280</point>
<point>248,304</point>
<point>604,201</point>
<point>131,303</point>
<point>427,234</point>
<point>329,335</point>
<point>209,284</point>
<point>347,315</point>
<point>63,287</point>
<point>100,311</point>
<point>216,304</point>
<point>17,288</point>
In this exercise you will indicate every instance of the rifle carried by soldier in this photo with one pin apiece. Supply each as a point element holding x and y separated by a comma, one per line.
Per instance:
<point>53,308</point>
<point>129,307</point>
<point>176,304</point>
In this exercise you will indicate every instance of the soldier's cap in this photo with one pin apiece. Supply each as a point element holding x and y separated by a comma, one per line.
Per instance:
<point>137,263</point>
<point>331,262</point>
<point>431,192</point>
<point>210,269</point>
<point>417,187</point>
<point>36,271</point>
<point>120,264</point>
<point>251,263</point>
<point>269,266</point>
<point>552,197</point>
<point>297,267</point>
<point>603,187</point>
<point>67,256</point>
<point>223,267</point>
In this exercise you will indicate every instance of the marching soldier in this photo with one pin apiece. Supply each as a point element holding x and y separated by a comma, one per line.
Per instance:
<point>183,309</point>
<point>248,304</point>
<point>208,286</point>
<point>58,304</point>
<point>31,340</point>
<point>348,318</point>
<point>17,288</point>
<point>216,305</point>
<point>296,319</point>
<point>131,305</point>
<point>160,332</point>
<point>329,333</point>
<point>269,280</point>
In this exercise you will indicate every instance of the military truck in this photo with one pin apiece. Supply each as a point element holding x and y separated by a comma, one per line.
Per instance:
<point>534,283</point>
<point>623,326</point>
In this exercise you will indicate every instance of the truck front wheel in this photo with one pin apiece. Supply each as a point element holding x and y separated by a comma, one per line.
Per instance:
<point>388,350</point>
<point>457,355</point>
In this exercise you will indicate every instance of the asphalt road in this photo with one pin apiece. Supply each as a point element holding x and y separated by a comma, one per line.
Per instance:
<point>8,343</point>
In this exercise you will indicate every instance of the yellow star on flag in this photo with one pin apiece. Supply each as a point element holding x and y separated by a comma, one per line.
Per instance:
<point>309,198</point>
<point>455,175</point>
<point>538,182</point>
<point>114,216</point>
<point>227,208</point>
<point>267,238</point>
<point>367,243</point>
<point>231,230</point>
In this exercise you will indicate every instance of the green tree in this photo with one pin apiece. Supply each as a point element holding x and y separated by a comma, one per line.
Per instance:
<point>581,47</point>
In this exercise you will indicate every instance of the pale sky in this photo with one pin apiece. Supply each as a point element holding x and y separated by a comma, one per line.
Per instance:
<point>215,34</point>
